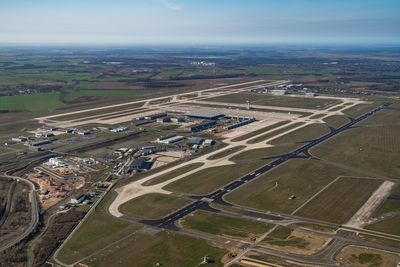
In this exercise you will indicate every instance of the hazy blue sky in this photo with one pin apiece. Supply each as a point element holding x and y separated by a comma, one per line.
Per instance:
<point>199,21</point>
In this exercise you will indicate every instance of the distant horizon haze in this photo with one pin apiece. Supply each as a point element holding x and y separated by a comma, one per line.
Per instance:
<point>195,22</point>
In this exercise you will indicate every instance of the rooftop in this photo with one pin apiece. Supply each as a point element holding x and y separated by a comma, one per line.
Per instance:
<point>203,114</point>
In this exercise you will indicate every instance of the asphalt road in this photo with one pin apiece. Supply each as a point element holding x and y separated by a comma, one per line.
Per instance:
<point>34,215</point>
<point>168,222</point>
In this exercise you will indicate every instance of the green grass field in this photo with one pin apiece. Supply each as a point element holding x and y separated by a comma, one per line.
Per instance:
<point>389,116</point>
<point>259,131</point>
<point>390,226</point>
<point>260,153</point>
<point>172,174</point>
<point>360,109</point>
<point>105,93</point>
<point>223,225</point>
<point>226,152</point>
<point>281,237</point>
<point>274,133</point>
<point>99,230</point>
<point>390,204</point>
<point>56,77</point>
<point>166,248</point>
<point>271,100</point>
<point>371,149</point>
<point>380,240</point>
<point>32,102</point>
<point>317,227</point>
<point>100,111</point>
<point>153,206</point>
<point>299,177</point>
<point>341,200</point>
<point>336,120</point>
<point>207,180</point>
<point>307,133</point>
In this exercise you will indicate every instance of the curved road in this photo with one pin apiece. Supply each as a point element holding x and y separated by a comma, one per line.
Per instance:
<point>34,209</point>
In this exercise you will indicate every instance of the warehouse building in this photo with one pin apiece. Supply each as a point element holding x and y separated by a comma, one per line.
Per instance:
<point>195,141</point>
<point>155,116</point>
<point>236,125</point>
<point>202,126</point>
<point>171,140</point>
<point>278,92</point>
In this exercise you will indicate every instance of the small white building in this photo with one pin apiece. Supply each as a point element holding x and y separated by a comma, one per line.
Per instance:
<point>56,162</point>
<point>278,92</point>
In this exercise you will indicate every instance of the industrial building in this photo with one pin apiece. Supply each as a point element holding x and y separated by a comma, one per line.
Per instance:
<point>278,92</point>
<point>140,163</point>
<point>195,141</point>
<point>164,119</point>
<point>78,200</point>
<point>118,130</point>
<point>208,142</point>
<point>155,116</point>
<point>19,139</point>
<point>41,142</point>
<point>204,115</point>
<point>165,137</point>
<point>310,94</point>
<point>171,140</point>
<point>202,126</point>
<point>236,125</point>
<point>56,162</point>
<point>179,119</point>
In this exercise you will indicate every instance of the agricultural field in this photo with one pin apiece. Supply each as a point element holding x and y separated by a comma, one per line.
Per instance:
<point>33,102</point>
<point>340,200</point>
<point>371,149</point>
<point>271,100</point>
<point>207,180</point>
<point>153,206</point>
<point>217,224</point>
<point>271,191</point>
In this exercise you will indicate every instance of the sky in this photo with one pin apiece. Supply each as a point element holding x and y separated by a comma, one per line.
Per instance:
<point>200,21</point>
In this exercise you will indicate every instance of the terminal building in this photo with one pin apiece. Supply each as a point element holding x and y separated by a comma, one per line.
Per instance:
<point>204,115</point>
